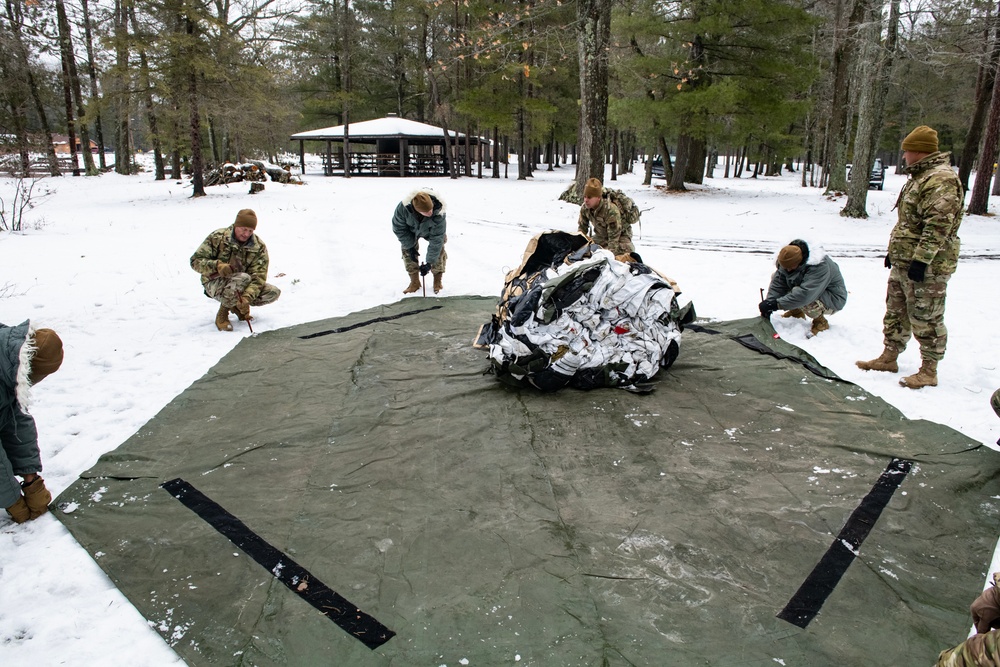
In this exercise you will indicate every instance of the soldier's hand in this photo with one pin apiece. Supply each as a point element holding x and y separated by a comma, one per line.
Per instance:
<point>768,306</point>
<point>425,268</point>
<point>412,252</point>
<point>223,269</point>
<point>888,264</point>
<point>916,271</point>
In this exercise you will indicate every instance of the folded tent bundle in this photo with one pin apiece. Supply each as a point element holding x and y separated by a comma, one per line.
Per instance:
<point>572,314</point>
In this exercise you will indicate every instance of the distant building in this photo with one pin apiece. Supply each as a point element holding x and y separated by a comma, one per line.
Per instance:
<point>60,142</point>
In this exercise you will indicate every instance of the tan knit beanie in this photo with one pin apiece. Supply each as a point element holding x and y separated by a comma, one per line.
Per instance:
<point>246,218</point>
<point>422,203</point>
<point>48,355</point>
<point>923,139</point>
<point>790,257</point>
<point>592,188</point>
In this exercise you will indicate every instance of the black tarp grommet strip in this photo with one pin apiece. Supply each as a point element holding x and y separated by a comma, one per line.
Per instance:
<point>807,601</point>
<point>751,342</point>
<point>300,581</point>
<point>367,322</point>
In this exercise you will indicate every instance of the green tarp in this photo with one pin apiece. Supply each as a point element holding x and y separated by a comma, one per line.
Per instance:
<point>472,523</point>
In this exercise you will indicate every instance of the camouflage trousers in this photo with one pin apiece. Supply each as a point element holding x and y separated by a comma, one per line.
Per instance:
<point>622,247</point>
<point>227,291</point>
<point>414,267</point>
<point>817,308</point>
<point>917,309</point>
<point>977,651</point>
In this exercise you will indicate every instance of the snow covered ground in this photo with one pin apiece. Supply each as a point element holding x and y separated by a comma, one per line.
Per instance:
<point>104,262</point>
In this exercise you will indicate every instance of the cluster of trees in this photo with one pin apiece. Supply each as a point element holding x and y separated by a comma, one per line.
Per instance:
<point>821,83</point>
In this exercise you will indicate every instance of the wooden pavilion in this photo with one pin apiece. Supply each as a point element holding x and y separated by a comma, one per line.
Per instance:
<point>392,146</point>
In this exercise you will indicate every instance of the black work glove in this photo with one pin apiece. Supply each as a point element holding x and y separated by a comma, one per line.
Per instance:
<point>425,268</point>
<point>916,271</point>
<point>768,306</point>
<point>412,252</point>
<point>888,264</point>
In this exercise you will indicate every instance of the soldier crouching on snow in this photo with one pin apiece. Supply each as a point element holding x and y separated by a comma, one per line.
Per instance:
<point>233,265</point>
<point>806,283</point>
<point>421,216</point>
<point>27,355</point>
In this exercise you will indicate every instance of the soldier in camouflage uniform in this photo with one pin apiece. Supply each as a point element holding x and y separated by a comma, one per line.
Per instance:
<point>599,213</point>
<point>923,253</point>
<point>233,265</point>
<point>982,649</point>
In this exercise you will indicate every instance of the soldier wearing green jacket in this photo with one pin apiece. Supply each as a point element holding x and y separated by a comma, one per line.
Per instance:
<point>421,215</point>
<point>27,356</point>
<point>923,253</point>
<point>806,283</point>
<point>233,264</point>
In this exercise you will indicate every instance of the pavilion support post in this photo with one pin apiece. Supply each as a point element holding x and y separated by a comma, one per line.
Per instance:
<point>404,156</point>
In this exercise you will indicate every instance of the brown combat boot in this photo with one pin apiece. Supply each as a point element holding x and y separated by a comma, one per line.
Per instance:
<point>819,324</point>
<point>885,362</point>
<point>19,511</point>
<point>37,497</point>
<point>794,312</point>
<point>414,283</point>
<point>437,282</point>
<point>925,377</point>
<point>222,319</point>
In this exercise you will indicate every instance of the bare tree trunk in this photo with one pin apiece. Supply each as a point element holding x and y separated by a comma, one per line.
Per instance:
<point>92,73</point>
<point>16,20</point>
<point>875,71</point>
<point>593,45</point>
<point>979,201</point>
<point>614,155</point>
<point>69,68</point>
<point>151,118</point>
<point>984,93</point>
<point>496,152</point>
<point>197,164</point>
<point>121,94</point>
<point>843,57</point>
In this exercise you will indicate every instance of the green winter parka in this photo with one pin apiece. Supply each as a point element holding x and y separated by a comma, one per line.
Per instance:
<point>19,453</point>
<point>817,278</point>
<point>408,225</point>
<point>221,245</point>
<point>930,213</point>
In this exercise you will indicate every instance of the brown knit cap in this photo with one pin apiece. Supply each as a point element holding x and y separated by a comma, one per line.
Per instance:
<point>48,355</point>
<point>923,139</point>
<point>246,218</point>
<point>592,188</point>
<point>790,257</point>
<point>422,203</point>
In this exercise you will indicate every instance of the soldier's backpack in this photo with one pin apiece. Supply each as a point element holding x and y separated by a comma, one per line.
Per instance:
<point>630,212</point>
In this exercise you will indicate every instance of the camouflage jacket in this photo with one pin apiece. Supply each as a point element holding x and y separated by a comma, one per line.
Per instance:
<point>606,221</point>
<point>221,245</point>
<point>408,225</point>
<point>930,212</point>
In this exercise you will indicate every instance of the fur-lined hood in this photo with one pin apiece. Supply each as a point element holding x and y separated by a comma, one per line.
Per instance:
<point>813,253</point>
<point>439,206</point>
<point>17,347</point>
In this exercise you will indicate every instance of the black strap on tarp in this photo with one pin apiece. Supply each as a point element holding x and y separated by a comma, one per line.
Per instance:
<point>818,586</point>
<point>751,342</point>
<point>300,581</point>
<point>367,322</point>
